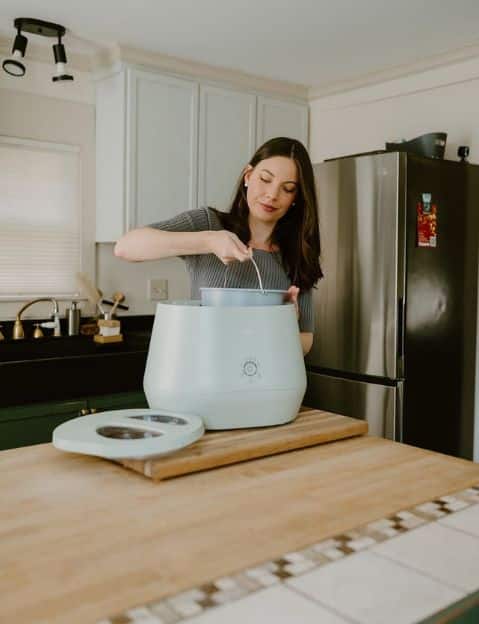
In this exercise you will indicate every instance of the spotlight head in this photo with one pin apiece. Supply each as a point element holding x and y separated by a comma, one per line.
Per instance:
<point>20,44</point>
<point>60,62</point>
<point>13,65</point>
<point>60,73</point>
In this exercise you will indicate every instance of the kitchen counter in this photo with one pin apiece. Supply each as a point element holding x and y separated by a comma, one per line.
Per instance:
<point>83,538</point>
<point>51,369</point>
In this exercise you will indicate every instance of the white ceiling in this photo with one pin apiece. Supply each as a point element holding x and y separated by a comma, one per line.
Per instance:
<point>316,43</point>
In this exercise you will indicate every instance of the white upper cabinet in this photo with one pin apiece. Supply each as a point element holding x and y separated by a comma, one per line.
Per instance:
<point>226,143</point>
<point>281,118</point>
<point>162,147</point>
<point>147,141</point>
<point>166,144</point>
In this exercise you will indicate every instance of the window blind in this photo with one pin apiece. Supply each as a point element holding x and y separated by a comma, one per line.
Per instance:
<point>40,219</point>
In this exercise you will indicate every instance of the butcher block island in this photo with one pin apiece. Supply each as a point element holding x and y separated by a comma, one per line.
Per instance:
<point>83,539</point>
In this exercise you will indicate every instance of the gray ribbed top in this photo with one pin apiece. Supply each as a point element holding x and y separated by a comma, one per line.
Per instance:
<point>207,270</point>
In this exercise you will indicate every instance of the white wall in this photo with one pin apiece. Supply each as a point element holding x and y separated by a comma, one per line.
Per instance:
<point>33,107</point>
<point>131,278</point>
<point>444,99</point>
<point>440,100</point>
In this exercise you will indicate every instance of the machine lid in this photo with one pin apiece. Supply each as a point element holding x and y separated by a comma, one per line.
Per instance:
<point>128,434</point>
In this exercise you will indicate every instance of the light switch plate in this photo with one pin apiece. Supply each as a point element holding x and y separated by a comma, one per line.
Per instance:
<point>157,289</point>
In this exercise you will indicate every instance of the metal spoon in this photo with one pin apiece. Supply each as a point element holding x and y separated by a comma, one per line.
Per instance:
<point>257,272</point>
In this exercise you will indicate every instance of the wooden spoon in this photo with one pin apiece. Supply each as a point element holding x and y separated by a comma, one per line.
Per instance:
<point>118,297</point>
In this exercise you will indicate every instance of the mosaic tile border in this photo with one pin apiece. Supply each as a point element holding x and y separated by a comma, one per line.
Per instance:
<point>182,606</point>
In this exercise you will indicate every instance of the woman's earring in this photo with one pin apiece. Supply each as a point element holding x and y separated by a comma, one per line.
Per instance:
<point>246,184</point>
<point>293,204</point>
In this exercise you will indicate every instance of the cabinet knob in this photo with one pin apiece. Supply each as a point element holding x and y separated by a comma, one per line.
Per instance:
<point>85,411</point>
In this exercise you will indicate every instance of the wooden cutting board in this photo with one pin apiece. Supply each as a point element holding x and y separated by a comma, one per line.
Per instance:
<point>219,448</point>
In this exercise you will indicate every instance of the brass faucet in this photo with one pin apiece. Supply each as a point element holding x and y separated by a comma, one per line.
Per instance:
<point>18,332</point>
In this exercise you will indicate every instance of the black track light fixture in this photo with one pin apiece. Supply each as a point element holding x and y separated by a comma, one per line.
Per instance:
<point>15,67</point>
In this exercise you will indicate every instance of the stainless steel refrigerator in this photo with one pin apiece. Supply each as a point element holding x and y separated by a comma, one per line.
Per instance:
<point>396,312</point>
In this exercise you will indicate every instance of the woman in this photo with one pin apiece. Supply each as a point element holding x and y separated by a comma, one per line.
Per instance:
<point>273,217</point>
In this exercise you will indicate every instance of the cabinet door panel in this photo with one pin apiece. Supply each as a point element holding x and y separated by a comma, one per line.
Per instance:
<point>162,147</point>
<point>34,424</point>
<point>280,118</point>
<point>110,157</point>
<point>25,432</point>
<point>227,140</point>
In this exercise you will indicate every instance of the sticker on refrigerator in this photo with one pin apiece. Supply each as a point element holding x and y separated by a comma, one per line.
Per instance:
<point>426,222</point>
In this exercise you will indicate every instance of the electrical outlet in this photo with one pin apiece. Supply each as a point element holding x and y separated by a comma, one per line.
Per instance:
<point>157,289</point>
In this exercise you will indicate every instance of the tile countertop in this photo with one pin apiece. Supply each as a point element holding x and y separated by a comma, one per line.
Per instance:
<point>86,540</point>
<point>397,569</point>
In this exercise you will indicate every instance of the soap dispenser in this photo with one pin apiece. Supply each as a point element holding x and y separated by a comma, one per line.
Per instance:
<point>73,316</point>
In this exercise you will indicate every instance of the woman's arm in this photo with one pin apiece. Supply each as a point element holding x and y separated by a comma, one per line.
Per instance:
<point>153,244</point>
<point>306,337</point>
<point>306,341</point>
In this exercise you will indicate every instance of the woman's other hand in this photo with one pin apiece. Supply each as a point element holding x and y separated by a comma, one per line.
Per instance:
<point>292,297</point>
<point>228,247</point>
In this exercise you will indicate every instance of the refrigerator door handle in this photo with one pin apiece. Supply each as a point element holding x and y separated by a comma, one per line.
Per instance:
<point>400,332</point>
<point>398,434</point>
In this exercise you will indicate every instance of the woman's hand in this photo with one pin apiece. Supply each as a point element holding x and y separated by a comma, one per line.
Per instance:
<point>228,247</point>
<point>292,297</point>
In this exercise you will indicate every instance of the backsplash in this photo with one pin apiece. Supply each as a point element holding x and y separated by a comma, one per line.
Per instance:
<point>131,278</point>
<point>114,274</point>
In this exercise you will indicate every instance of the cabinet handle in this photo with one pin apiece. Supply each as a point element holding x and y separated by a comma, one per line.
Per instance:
<point>84,412</point>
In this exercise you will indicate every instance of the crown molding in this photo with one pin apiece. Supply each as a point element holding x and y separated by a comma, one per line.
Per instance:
<point>392,73</point>
<point>118,53</point>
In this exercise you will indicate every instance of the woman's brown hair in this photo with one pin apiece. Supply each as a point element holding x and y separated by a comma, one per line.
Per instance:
<point>297,232</point>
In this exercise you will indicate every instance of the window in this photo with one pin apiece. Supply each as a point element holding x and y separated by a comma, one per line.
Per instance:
<point>40,219</point>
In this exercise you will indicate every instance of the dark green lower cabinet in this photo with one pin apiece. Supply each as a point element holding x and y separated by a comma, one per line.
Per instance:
<point>34,424</point>
<point>123,400</point>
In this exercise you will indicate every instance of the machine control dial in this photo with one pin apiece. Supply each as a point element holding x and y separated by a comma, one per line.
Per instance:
<point>250,368</point>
